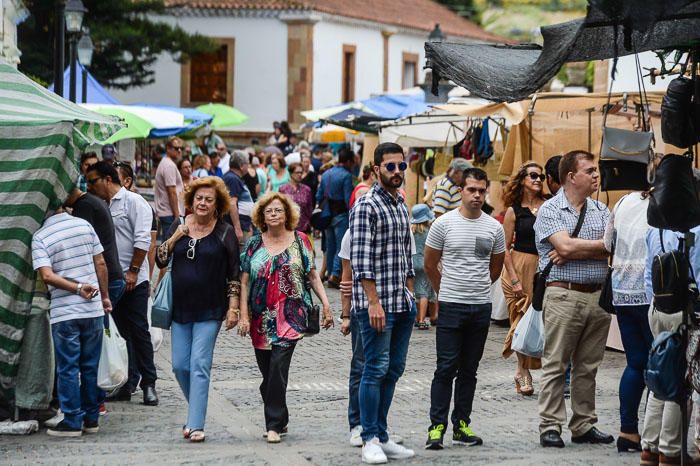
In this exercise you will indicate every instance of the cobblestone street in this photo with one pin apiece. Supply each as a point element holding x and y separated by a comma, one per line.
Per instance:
<point>132,433</point>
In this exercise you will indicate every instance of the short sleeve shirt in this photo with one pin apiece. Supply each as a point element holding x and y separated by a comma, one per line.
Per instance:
<point>556,215</point>
<point>67,245</point>
<point>168,175</point>
<point>446,197</point>
<point>467,246</point>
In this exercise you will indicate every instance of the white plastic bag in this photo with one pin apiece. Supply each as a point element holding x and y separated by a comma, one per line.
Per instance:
<point>528,338</point>
<point>499,308</point>
<point>113,370</point>
<point>156,333</point>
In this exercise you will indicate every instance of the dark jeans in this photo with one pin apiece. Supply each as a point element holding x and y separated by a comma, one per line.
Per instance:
<point>459,339</point>
<point>274,367</point>
<point>385,360</point>
<point>131,317</point>
<point>334,236</point>
<point>357,364</point>
<point>78,344</point>
<point>165,224</point>
<point>636,339</point>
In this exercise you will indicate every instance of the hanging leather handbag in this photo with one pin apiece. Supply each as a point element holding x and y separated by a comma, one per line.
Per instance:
<point>627,145</point>
<point>622,175</point>
<point>673,200</point>
<point>540,280</point>
<point>678,114</point>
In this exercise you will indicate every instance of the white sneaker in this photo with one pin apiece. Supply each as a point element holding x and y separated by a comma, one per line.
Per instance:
<point>395,451</point>
<point>396,438</point>
<point>372,452</point>
<point>54,421</point>
<point>356,436</point>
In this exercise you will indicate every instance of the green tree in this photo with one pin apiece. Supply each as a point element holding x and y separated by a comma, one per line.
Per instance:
<point>127,42</point>
<point>464,8</point>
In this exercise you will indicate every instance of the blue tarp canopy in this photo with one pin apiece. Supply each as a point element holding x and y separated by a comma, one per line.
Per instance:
<point>96,94</point>
<point>193,120</point>
<point>392,106</point>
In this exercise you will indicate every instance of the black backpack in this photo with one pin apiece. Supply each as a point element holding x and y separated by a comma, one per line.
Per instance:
<point>670,280</point>
<point>680,114</point>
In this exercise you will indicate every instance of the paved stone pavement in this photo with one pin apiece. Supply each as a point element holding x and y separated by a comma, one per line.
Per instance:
<point>132,433</point>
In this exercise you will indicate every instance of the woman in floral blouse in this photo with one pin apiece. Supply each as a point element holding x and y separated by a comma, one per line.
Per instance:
<point>277,275</point>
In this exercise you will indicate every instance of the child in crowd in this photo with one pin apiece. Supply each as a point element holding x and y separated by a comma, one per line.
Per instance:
<point>421,217</point>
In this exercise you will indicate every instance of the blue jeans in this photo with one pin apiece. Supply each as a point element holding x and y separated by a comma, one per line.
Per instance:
<point>192,353</point>
<point>459,340</point>
<point>116,290</point>
<point>636,339</point>
<point>357,365</point>
<point>385,360</point>
<point>78,344</point>
<point>334,236</point>
<point>165,224</point>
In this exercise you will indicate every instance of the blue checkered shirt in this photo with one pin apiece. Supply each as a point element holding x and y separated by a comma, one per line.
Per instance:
<point>380,250</point>
<point>556,215</point>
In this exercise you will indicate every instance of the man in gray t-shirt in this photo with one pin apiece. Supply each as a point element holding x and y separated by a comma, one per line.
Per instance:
<point>471,246</point>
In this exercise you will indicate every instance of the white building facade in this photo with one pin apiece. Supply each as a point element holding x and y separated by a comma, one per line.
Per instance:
<point>12,12</point>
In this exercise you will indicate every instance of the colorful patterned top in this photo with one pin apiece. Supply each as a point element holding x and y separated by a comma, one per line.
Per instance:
<point>278,300</point>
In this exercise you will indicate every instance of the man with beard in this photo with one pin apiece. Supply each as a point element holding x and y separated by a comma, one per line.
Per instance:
<point>382,297</point>
<point>471,246</point>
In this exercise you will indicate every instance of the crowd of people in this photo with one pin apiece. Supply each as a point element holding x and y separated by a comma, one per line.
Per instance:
<point>237,230</point>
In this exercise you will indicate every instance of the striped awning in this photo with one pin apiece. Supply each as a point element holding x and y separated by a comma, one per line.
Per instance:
<point>41,135</point>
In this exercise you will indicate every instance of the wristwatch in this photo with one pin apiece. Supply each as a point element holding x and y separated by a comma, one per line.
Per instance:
<point>134,269</point>
<point>80,287</point>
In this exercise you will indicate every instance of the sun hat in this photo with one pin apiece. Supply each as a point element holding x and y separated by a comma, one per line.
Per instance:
<point>421,213</point>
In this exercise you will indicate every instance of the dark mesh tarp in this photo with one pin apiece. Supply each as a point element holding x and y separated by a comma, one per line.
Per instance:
<point>508,73</point>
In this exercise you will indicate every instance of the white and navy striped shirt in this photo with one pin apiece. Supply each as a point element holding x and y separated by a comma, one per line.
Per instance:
<point>380,250</point>
<point>68,244</point>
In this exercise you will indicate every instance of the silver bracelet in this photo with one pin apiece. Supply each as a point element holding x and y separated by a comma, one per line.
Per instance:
<point>80,287</point>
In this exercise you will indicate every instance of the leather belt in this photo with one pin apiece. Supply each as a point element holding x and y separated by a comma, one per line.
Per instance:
<point>583,288</point>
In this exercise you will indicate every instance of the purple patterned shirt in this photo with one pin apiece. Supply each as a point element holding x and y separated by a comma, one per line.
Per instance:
<point>302,196</point>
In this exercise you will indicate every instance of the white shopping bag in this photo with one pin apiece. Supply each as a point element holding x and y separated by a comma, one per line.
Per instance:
<point>528,338</point>
<point>156,333</point>
<point>499,308</point>
<point>113,370</point>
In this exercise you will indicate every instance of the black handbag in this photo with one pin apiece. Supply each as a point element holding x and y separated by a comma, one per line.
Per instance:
<point>673,200</point>
<point>313,313</point>
<point>680,125</point>
<point>540,281</point>
<point>621,175</point>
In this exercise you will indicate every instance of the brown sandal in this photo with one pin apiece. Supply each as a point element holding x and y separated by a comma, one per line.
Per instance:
<point>522,387</point>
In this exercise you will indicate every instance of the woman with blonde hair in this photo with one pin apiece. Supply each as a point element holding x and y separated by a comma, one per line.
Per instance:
<point>523,196</point>
<point>277,277</point>
<point>205,286</point>
<point>201,166</point>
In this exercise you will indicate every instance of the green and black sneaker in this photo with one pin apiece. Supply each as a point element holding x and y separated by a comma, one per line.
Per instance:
<point>435,434</point>
<point>464,435</point>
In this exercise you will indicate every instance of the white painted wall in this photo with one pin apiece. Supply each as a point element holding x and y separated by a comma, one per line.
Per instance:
<point>260,75</point>
<point>626,77</point>
<point>329,38</point>
<point>409,43</point>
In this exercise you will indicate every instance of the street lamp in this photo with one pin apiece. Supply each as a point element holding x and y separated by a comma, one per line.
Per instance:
<point>74,12</point>
<point>85,49</point>
<point>436,35</point>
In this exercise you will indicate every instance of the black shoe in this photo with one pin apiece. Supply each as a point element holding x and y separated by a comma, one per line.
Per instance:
<point>123,394</point>
<point>91,427</point>
<point>593,436</point>
<point>436,432</point>
<point>150,397</point>
<point>624,445</point>
<point>551,438</point>
<point>40,415</point>
<point>62,430</point>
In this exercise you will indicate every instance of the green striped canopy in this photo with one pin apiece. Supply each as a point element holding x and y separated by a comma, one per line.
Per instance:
<point>41,136</point>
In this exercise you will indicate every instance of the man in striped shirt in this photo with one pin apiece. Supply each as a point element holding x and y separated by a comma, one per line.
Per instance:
<point>447,195</point>
<point>68,256</point>
<point>382,297</point>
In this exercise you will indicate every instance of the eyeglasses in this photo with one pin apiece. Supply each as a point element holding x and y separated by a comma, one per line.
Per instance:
<point>177,148</point>
<point>191,251</point>
<point>273,211</point>
<point>534,176</point>
<point>391,166</point>
<point>94,180</point>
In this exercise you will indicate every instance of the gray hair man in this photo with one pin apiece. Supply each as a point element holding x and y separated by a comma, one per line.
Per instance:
<point>241,199</point>
<point>447,195</point>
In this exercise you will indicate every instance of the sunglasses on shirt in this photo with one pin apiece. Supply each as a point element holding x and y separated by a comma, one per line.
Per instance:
<point>534,176</point>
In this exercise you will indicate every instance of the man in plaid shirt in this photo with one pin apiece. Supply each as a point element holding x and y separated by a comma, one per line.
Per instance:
<point>575,326</point>
<point>382,297</point>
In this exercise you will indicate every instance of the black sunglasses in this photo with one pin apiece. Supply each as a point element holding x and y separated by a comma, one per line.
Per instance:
<point>94,180</point>
<point>534,176</point>
<point>391,166</point>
